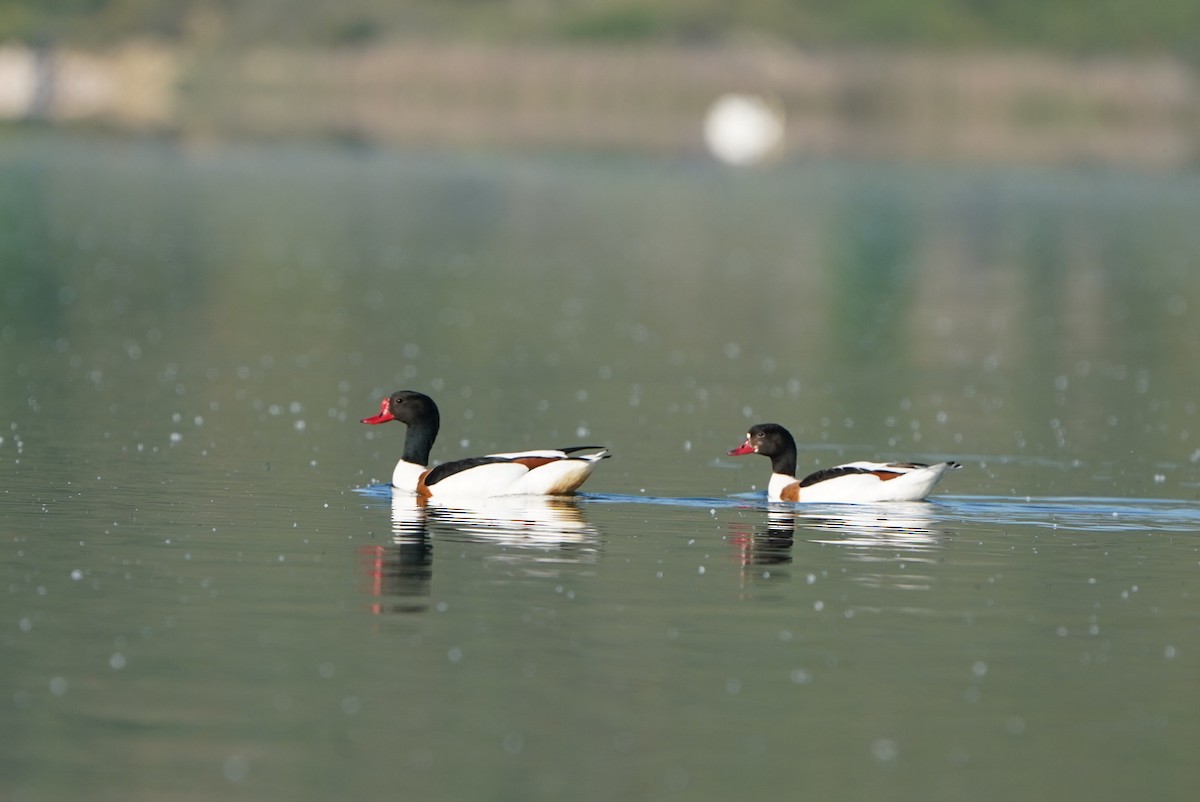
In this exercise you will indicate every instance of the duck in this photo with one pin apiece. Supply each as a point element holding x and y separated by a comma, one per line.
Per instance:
<point>541,472</point>
<point>854,482</point>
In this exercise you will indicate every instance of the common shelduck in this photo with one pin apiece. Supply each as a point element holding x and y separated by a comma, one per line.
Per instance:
<point>863,482</point>
<point>544,472</point>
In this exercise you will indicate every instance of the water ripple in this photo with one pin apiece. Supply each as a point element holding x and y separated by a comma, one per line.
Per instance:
<point>1095,514</point>
<point>1074,513</point>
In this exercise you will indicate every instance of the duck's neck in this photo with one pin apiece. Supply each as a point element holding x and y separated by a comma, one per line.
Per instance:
<point>418,441</point>
<point>784,463</point>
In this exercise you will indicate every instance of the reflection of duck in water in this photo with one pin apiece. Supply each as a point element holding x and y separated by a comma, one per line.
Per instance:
<point>538,528</point>
<point>893,539</point>
<point>853,482</point>
<point>899,532</point>
<point>548,472</point>
<point>536,533</point>
<point>403,570</point>
<point>766,544</point>
<point>910,526</point>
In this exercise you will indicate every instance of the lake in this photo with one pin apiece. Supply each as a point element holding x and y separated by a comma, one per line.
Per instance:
<point>207,591</point>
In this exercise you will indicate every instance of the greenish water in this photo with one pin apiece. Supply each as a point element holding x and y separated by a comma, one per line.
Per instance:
<point>206,593</point>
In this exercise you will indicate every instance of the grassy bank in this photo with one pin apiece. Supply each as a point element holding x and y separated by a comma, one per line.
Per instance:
<point>990,107</point>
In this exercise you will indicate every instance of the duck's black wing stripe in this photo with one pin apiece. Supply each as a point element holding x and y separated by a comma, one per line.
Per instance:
<point>831,473</point>
<point>450,468</point>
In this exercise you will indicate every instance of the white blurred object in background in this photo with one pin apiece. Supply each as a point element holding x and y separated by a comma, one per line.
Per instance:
<point>743,129</point>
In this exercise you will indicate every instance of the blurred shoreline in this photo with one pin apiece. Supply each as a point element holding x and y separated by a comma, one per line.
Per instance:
<point>983,108</point>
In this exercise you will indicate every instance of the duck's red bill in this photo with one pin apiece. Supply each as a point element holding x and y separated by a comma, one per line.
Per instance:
<point>384,415</point>
<point>744,448</point>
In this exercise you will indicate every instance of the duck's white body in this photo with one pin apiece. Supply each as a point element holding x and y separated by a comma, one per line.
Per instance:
<point>854,482</point>
<point>863,482</point>
<point>508,475</point>
<point>538,472</point>
<point>406,475</point>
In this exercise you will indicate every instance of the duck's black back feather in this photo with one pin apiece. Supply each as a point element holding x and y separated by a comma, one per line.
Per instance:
<point>450,468</point>
<point>832,473</point>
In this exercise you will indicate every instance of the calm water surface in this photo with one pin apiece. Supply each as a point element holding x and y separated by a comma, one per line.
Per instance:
<point>206,592</point>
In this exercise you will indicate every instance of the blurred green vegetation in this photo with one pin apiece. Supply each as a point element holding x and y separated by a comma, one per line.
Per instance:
<point>1074,26</point>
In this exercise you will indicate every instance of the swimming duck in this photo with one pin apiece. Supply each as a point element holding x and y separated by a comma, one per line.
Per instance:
<point>862,482</point>
<point>545,472</point>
